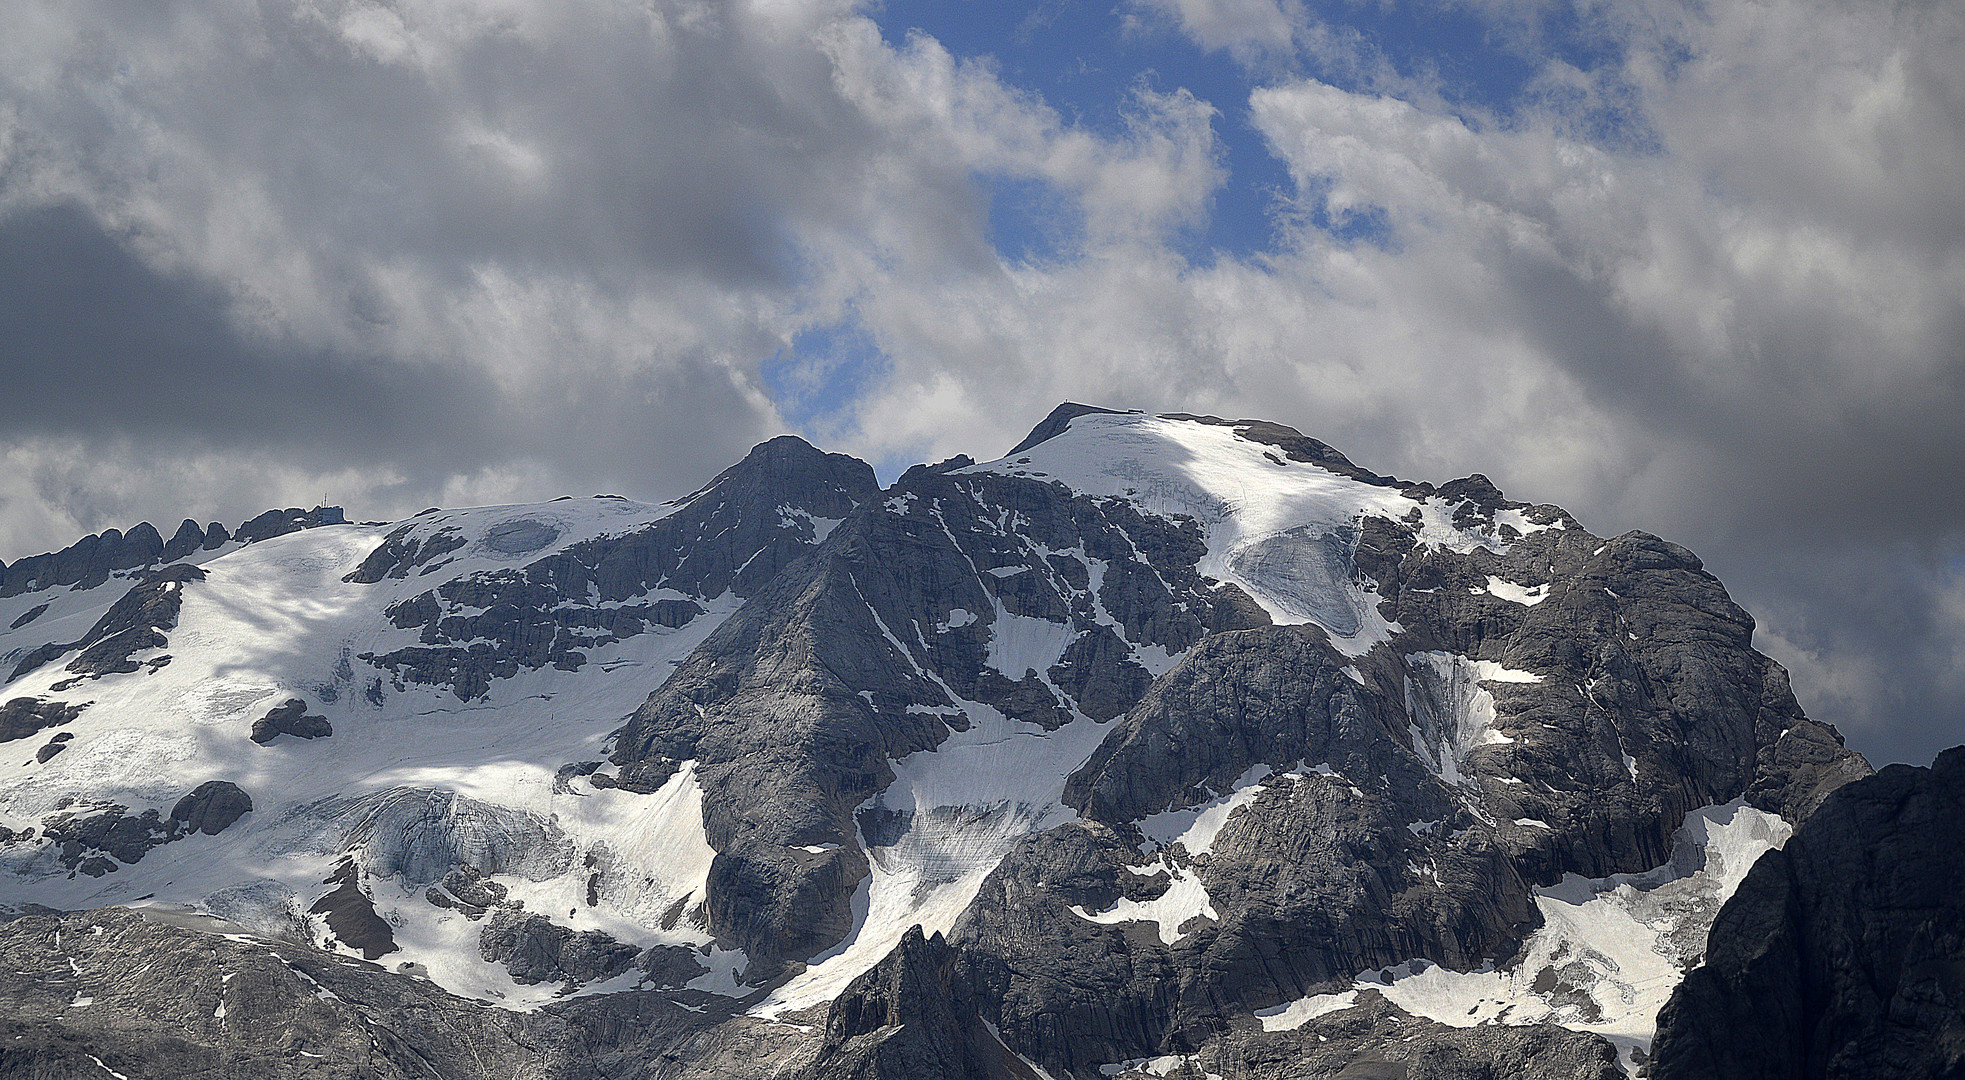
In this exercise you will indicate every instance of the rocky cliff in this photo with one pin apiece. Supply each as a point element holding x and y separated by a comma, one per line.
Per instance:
<point>1161,746</point>
<point>1843,954</point>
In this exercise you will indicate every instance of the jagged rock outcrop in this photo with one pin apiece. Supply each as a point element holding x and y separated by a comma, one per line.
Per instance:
<point>94,839</point>
<point>733,537</point>
<point>1842,955</point>
<point>536,950</point>
<point>207,1000</point>
<point>907,1020</point>
<point>211,807</point>
<point>23,717</point>
<point>202,1005</point>
<point>1551,702</point>
<point>1374,1040</point>
<point>281,522</point>
<point>131,625</point>
<point>95,558</point>
<point>53,746</point>
<point>290,717</point>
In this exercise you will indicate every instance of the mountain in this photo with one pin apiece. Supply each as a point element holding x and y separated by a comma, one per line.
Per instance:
<point>1164,745</point>
<point>1843,955</point>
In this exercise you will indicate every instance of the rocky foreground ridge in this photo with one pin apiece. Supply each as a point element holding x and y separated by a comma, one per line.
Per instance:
<point>1165,746</point>
<point>1842,955</point>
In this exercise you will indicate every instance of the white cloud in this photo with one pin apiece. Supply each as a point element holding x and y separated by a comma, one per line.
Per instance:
<point>575,232</point>
<point>1249,29</point>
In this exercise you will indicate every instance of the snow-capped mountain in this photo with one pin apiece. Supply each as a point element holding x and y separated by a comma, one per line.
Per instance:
<point>1163,745</point>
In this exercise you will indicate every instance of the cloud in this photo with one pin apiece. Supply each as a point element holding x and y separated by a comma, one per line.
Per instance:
<point>428,241</point>
<point>1739,321</point>
<point>1253,31</point>
<point>1705,278</point>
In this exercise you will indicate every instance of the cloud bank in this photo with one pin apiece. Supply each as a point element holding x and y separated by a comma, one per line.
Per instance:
<point>1702,274</point>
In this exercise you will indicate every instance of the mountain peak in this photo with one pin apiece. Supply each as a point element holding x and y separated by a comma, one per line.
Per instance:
<point>1054,424</point>
<point>1174,718</point>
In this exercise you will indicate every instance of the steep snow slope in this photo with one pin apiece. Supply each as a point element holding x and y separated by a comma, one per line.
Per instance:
<point>1281,528</point>
<point>278,620</point>
<point>1608,954</point>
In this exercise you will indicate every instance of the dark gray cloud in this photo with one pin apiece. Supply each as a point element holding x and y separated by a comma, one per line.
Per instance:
<point>95,342</point>
<point>98,346</point>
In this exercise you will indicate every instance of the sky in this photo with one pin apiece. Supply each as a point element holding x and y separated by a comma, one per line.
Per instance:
<point>1696,268</point>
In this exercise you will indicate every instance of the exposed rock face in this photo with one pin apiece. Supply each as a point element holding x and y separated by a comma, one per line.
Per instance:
<point>84,836</point>
<point>290,717</point>
<point>211,808</point>
<point>905,1019</point>
<point>1843,954</point>
<point>201,1003</point>
<point>466,889</point>
<point>536,950</point>
<point>94,559</point>
<point>28,616</point>
<point>1374,1040</point>
<point>731,537</point>
<point>54,746</point>
<point>911,1017</point>
<point>23,717</point>
<point>1597,689</point>
<point>131,625</point>
<point>350,915</point>
<point>281,522</point>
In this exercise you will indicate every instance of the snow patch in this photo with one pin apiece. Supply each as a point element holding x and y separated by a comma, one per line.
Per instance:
<point>1196,827</point>
<point>957,618</point>
<point>949,817</point>
<point>1284,535</point>
<point>1295,1014</point>
<point>1610,950</point>
<point>1185,900</point>
<point>1517,594</point>
<point>152,736</point>
<point>1021,643</point>
<point>1451,714</point>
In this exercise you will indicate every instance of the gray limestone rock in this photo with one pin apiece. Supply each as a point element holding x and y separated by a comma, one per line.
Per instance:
<point>28,616</point>
<point>907,1020</point>
<point>24,717</point>
<point>132,624</point>
<point>211,808</point>
<point>187,539</point>
<point>54,746</point>
<point>159,1003</point>
<point>735,536</point>
<point>467,890</point>
<point>84,834</point>
<point>281,522</point>
<point>81,837</point>
<point>350,914</point>
<point>1842,955</point>
<point>537,950</point>
<point>96,558</point>
<point>1375,1040</point>
<point>290,717</point>
<point>1540,702</point>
